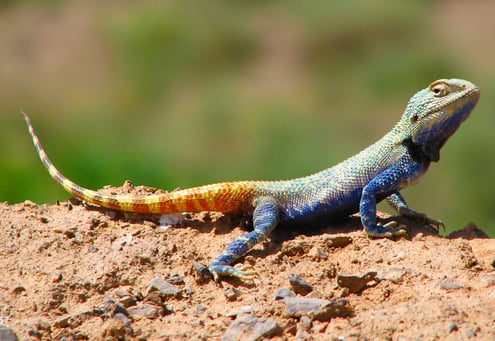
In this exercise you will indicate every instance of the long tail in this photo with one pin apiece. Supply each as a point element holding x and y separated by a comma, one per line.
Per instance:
<point>223,197</point>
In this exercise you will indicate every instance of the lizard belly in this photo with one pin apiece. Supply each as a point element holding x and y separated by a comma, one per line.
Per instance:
<point>328,206</point>
<point>340,205</point>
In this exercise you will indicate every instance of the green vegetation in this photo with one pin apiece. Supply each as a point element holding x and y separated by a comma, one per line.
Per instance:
<point>186,93</point>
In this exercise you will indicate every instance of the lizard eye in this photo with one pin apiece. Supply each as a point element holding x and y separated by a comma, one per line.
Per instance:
<point>414,118</point>
<point>439,89</point>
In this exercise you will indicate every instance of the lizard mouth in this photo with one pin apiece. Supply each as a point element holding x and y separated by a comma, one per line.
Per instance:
<point>457,103</point>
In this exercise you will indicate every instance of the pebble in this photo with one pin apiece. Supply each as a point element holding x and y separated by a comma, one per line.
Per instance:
<point>305,322</point>
<point>147,310</point>
<point>232,294</point>
<point>127,301</point>
<point>317,253</point>
<point>124,318</point>
<point>176,279</point>
<point>61,322</point>
<point>57,277</point>
<point>253,328</point>
<point>303,335</point>
<point>319,309</point>
<point>283,293</point>
<point>243,310</point>
<point>470,334</point>
<point>200,309</point>
<point>18,289</point>
<point>448,284</point>
<point>203,273</point>
<point>166,289</point>
<point>7,334</point>
<point>338,241</point>
<point>354,283</point>
<point>396,275</point>
<point>114,308</point>
<point>32,332</point>
<point>299,285</point>
<point>452,327</point>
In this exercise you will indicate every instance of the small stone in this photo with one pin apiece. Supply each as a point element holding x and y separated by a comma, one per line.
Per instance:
<point>43,325</point>
<point>63,322</point>
<point>127,301</point>
<point>232,294</point>
<point>176,279</point>
<point>203,274</point>
<point>317,253</point>
<point>448,284</point>
<point>251,328</point>
<point>303,335</point>
<point>18,289</point>
<point>93,249</point>
<point>452,327</point>
<point>114,308</point>
<point>470,333</point>
<point>396,275</point>
<point>124,318</point>
<point>147,310</point>
<point>305,322</point>
<point>29,203</point>
<point>319,309</point>
<point>337,241</point>
<point>356,284</point>
<point>7,334</point>
<point>200,309</point>
<point>283,293</point>
<point>32,332</point>
<point>57,277</point>
<point>76,320</point>
<point>166,289</point>
<point>299,285</point>
<point>470,231</point>
<point>243,310</point>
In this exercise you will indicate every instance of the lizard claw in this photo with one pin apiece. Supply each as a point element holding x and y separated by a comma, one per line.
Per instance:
<point>244,272</point>
<point>422,217</point>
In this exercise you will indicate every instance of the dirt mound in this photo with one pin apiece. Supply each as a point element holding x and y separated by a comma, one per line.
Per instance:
<point>75,272</point>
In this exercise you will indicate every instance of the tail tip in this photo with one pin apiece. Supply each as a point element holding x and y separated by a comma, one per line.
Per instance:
<point>26,117</point>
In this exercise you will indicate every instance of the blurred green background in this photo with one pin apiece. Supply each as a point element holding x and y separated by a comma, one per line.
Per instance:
<point>182,93</point>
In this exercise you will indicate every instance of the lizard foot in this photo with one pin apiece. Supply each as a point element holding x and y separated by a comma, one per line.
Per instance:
<point>244,272</point>
<point>422,217</point>
<point>388,230</point>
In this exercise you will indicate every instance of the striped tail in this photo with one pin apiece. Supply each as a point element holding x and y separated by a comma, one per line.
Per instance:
<point>221,197</point>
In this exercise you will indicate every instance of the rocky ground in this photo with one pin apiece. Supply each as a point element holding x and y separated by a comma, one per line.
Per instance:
<point>71,272</point>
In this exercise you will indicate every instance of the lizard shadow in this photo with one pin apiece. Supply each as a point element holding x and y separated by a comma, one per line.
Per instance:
<point>219,223</point>
<point>343,226</point>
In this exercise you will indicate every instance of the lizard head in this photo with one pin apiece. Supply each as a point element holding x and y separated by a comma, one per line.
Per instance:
<point>434,114</point>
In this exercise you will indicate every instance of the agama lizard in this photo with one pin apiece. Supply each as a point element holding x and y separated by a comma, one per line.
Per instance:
<point>399,159</point>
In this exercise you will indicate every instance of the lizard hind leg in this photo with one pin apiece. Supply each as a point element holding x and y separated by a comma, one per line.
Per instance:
<point>265,218</point>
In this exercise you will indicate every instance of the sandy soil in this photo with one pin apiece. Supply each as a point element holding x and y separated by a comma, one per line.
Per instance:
<point>74,272</point>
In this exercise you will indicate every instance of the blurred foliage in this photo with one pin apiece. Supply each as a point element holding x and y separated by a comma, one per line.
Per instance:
<point>185,93</point>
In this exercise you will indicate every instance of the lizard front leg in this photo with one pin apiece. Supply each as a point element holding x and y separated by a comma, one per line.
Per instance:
<point>384,182</point>
<point>399,204</point>
<point>265,218</point>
